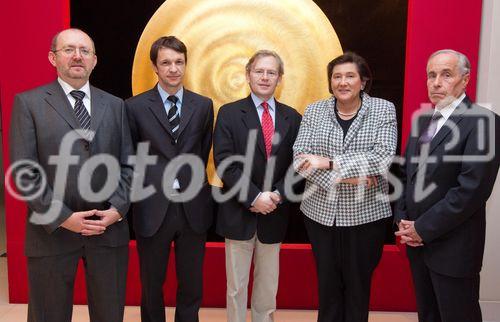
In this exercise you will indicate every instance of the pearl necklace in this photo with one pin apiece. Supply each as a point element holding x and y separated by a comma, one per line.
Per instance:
<point>346,114</point>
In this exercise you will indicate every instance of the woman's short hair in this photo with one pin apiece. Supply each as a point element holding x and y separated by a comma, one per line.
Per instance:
<point>362,66</point>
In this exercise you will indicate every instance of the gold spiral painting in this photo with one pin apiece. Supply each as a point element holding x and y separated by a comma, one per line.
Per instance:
<point>222,35</point>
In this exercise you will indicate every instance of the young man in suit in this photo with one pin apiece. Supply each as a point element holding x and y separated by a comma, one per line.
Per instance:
<point>173,121</point>
<point>79,228</point>
<point>255,223</point>
<point>441,213</point>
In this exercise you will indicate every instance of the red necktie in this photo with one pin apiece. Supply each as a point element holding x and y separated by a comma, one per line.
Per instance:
<point>267,128</point>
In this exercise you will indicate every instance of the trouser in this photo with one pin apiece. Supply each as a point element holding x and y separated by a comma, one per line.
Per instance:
<point>442,298</point>
<point>345,260</point>
<point>265,279</point>
<point>51,282</point>
<point>154,252</point>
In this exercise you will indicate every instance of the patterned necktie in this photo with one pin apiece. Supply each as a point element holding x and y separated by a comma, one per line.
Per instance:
<point>430,131</point>
<point>267,128</point>
<point>173,116</point>
<point>81,113</point>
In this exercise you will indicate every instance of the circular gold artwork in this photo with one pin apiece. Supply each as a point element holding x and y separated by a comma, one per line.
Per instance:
<point>222,35</point>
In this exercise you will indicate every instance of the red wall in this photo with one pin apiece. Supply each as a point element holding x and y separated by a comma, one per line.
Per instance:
<point>434,25</point>
<point>26,28</point>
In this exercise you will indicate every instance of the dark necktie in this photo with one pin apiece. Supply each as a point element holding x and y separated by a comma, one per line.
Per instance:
<point>267,128</point>
<point>173,116</point>
<point>430,131</point>
<point>81,113</point>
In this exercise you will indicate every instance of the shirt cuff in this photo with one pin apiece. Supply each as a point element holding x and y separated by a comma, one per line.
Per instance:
<point>253,202</point>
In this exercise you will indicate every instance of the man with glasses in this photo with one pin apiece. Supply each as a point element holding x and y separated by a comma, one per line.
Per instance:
<point>254,223</point>
<point>92,230</point>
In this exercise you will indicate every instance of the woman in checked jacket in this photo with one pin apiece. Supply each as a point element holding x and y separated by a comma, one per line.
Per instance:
<point>344,148</point>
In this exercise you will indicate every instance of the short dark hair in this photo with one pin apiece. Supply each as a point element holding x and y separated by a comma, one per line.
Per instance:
<point>362,66</point>
<point>167,42</point>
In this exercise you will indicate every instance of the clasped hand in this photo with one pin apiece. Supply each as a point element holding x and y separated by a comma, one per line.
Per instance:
<point>266,203</point>
<point>409,234</point>
<point>79,223</point>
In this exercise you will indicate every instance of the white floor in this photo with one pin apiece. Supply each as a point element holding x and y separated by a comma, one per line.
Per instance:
<point>17,312</point>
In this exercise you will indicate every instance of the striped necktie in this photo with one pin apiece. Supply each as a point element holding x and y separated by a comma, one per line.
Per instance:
<point>173,116</point>
<point>81,113</point>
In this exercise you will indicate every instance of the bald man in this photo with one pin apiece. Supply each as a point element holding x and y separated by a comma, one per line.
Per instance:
<point>64,225</point>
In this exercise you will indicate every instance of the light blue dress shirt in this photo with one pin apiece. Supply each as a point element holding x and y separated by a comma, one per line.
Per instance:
<point>167,104</point>
<point>260,110</point>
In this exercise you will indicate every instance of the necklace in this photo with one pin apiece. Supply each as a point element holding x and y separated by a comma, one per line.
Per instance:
<point>346,114</point>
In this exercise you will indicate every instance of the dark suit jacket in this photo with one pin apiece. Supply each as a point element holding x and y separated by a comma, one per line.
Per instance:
<point>451,219</point>
<point>148,123</point>
<point>40,119</point>
<point>234,123</point>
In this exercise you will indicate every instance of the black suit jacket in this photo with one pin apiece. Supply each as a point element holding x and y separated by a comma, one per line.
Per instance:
<point>40,119</point>
<point>148,123</point>
<point>451,219</point>
<point>231,136</point>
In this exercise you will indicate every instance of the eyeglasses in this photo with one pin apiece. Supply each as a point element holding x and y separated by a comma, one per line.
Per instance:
<point>261,72</point>
<point>70,51</point>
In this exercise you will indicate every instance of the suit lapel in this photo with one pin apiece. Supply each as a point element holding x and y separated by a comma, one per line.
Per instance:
<point>60,103</point>
<point>98,107</point>
<point>447,128</point>
<point>356,124</point>
<point>187,110</point>
<point>281,127</point>
<point>251,120</point>
<point>157,107</point>
<point>419,125</point>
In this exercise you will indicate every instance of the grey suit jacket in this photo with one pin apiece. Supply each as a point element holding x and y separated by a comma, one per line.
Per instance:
<point>40,119</point>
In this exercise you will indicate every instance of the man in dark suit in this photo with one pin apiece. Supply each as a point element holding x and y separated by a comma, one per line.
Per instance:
<point>255,222</point>
<point>72,215</point>
<point>174,122</point>
<point>441,213</point>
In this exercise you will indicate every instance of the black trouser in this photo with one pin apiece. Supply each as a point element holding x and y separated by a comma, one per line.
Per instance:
<point>52,278</point>
<point>442,298</point>
<point>153,259</point>
<point>345,260</point>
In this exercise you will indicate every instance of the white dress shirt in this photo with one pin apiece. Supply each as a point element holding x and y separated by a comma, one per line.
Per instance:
<point>67,88</point>
<point>446,112</point>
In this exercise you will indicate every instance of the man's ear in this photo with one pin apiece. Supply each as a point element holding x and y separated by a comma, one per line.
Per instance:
<point>52,58</point>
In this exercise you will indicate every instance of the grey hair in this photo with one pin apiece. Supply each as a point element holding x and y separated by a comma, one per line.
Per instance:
<point>463,61</point>
<point>266,53</point>
<point>53,43</point>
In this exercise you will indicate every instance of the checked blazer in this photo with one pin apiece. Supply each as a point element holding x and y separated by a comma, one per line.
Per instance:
<point>367,150</point>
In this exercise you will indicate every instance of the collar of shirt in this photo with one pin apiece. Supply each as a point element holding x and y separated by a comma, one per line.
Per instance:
<point>67,88</point>
<point>446,112</point>
<point>260,110</point>
<point>164,98</point>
